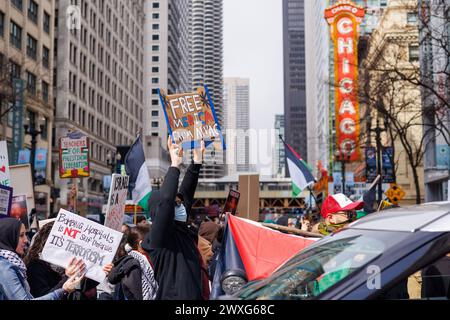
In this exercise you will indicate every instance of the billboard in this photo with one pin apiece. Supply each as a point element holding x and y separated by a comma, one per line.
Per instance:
<point>344,19</point>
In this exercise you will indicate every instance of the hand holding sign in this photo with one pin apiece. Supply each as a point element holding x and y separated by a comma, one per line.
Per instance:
<point>176,153</point>
<point>73,282</point>
<point>199,153</point>
<point>75,267</point>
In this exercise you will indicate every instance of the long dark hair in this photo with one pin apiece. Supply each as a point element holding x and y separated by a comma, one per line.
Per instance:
<point>137,234</point>
<point>38,243</point>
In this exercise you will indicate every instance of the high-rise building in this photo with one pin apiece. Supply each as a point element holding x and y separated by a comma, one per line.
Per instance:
<point>236,110</point>
<point>166,67</point>
<point>207,67</point>
<point>100,85</point>
<point>278,158</point>
<point>26,84</point>
<point>296,131</point>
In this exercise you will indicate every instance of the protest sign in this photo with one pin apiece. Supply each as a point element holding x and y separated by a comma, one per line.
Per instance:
<point>5,178</point>
<point>191,117</point>
<point>5,201</point>
<point>232,202</point>
<point>74,157</point>
<point>40,166</point>
<point>116,202</point>
<point>19,209</point>
<point>22,183</point>
<point>75,236</point>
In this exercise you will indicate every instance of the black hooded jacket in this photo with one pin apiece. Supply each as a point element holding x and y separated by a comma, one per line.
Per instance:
<point>127,273</point>
<point>172,246</point>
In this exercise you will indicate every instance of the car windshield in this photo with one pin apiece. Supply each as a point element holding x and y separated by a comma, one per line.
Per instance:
<point>316,269</point>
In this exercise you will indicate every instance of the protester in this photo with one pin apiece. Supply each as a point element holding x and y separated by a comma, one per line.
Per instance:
<point>171,244</point>
<point>141,221</point>
<point>13,272</point>
<point>44,277</point>
<point>134,271</point>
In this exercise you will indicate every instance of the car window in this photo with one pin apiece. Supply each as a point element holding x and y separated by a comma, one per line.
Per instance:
<point>315,270</point>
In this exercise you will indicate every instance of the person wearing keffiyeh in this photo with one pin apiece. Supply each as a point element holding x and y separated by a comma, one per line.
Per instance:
<point>13,272</point>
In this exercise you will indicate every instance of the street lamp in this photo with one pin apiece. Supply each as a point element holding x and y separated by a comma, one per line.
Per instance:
<point>157,181</point>
<point>341,157</point>
<point>30,128</point>
<point>112,161</point>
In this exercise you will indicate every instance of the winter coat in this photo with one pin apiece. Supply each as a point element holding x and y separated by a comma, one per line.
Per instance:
<point>43,279</point>
<point>171,245</point>
<point>127,273</point>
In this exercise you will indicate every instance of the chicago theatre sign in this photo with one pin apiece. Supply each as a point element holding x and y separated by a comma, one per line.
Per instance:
<point>344,19</point>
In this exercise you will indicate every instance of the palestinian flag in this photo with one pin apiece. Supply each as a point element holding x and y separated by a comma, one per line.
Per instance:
<point>139,178</point>
<point>255,249</point>
<point>299,170</point>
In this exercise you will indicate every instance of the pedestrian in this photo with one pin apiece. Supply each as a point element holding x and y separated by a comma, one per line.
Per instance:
<point>44,277</point>
<point>13,272</point>
<point>172,246</point>
<point>141,221</point>
<point>134,271</point>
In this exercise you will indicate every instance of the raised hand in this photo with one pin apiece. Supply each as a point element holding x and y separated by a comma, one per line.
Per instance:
<point>176,153</point>
<point>107,268</point>
<point>199,153</point>
<point>75,266</point>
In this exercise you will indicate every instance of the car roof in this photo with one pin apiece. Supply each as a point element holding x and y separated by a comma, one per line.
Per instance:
<point>428,217</point>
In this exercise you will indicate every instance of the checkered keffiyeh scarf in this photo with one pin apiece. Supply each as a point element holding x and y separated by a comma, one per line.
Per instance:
<point>149,284</point>
<point>15,260</point>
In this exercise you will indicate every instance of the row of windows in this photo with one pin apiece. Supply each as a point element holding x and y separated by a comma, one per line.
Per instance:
<point>33,13</point>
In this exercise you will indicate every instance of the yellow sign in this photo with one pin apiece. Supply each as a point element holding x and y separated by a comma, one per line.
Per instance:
<point>395,193</point>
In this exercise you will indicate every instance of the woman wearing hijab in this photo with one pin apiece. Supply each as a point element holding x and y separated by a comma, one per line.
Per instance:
<point>13,272</point>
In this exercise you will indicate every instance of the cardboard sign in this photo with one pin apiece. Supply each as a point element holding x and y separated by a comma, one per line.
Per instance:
<point>74,157</point>
<point>5,178</point>
<point>116,202</point>
<point>75,236</point>
<point>191,117</point>
<point>22,183</point>
<point>19,209</point>
<point>232,202</point>
<point>5,201</point>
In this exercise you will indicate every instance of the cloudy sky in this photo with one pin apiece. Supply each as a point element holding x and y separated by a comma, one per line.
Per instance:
<point>253,48</point>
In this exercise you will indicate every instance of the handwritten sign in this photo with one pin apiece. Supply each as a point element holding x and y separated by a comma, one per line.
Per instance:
<point>232,202</point>
<point>5,200</point>
<point>116,202</point>
<point>75,236</point>
<point>74,157</point>
<point>5,178</point>
<point>191,117</point>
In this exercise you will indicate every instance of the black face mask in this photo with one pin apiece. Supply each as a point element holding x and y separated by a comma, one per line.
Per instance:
<point>9,233</point>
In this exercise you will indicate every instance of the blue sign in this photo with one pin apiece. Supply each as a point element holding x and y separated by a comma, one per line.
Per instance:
<point>24,156</point>
<point>387,165</point>
<point>371,164</point>
<point>18,115</point>
<point>106,183</point>
<point>40,165</point>
<point>443,156</point>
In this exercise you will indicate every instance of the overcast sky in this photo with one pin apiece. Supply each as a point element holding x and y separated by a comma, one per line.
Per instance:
<point>253,48</point>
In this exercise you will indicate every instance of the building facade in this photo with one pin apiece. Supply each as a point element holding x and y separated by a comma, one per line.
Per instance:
<point>99,86</point>
<point>236,111</point>
<point>26,59</point>
<point>278,158</point>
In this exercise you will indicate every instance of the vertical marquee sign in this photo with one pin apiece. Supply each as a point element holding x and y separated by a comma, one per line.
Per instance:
<point>344,19</point>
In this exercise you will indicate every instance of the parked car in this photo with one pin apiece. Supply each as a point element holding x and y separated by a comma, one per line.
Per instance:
<point>401,253</point>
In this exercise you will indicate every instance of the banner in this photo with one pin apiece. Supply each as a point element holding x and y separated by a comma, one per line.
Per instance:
<point>40,165</point>
<point>106,183</point>
<point>115,209</point>
<point>191,117</point>
<point>232,202</point>
<point>24,156</point>
<point>22,183</point>
<point>5,178</point>
<point>344,19</point>
<point>5,201</point>
<point>18,116</point>
<point>74,157</point>
<point>371,164</point>
<point>19,209</point>
<point>75,236</point>
<point>387,165</point>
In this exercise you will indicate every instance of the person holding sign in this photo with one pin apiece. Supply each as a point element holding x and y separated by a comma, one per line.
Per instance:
<point>172,246</point>
<point>13,273</point>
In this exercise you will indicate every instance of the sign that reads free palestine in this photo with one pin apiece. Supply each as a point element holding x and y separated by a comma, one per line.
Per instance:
<point>75,236</point>
<point>116,202</point>
<point>74,157</point>
<point>191,117</point>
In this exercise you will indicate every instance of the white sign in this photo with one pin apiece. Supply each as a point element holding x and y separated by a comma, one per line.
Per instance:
<point>5,178</point>
<point>22,183</point>
<point>75,236</point>
<point>116,202</point>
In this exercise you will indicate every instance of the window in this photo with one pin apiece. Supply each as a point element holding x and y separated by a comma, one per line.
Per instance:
<point>155,124</point>
<point>155,113</point>
<point>413,53</point>
<point>46,22</point>
<point>155,37</point>
<point>154,102</point>
<point>45,57</point>
<point>155,5</point>
<point>155,26</point>
<point>154,134</point>
<point>155,59</point>
<point>45,91</point>
<point>155,80</point>
<point>155,48</point>
<point>44,134</point>
<point>155,69</point>
<point>31,47</point>
<point>31,83</point>
<point>15,37</point>
<point>2,24</point>
<point>155,16</point>
<point>15,70</point>
<point>18,4</point>
<point>33,11</point>
<point>154,91</point>
<point>411,18</point>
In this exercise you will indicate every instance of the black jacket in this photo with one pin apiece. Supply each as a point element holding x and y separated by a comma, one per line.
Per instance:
<point>172,246</point>
<point>127,273</point>
<point>43,279</point>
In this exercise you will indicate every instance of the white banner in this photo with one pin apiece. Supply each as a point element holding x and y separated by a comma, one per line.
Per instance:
<point>5,178</point>
<point>75,236</point>
<point>116,202</point>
